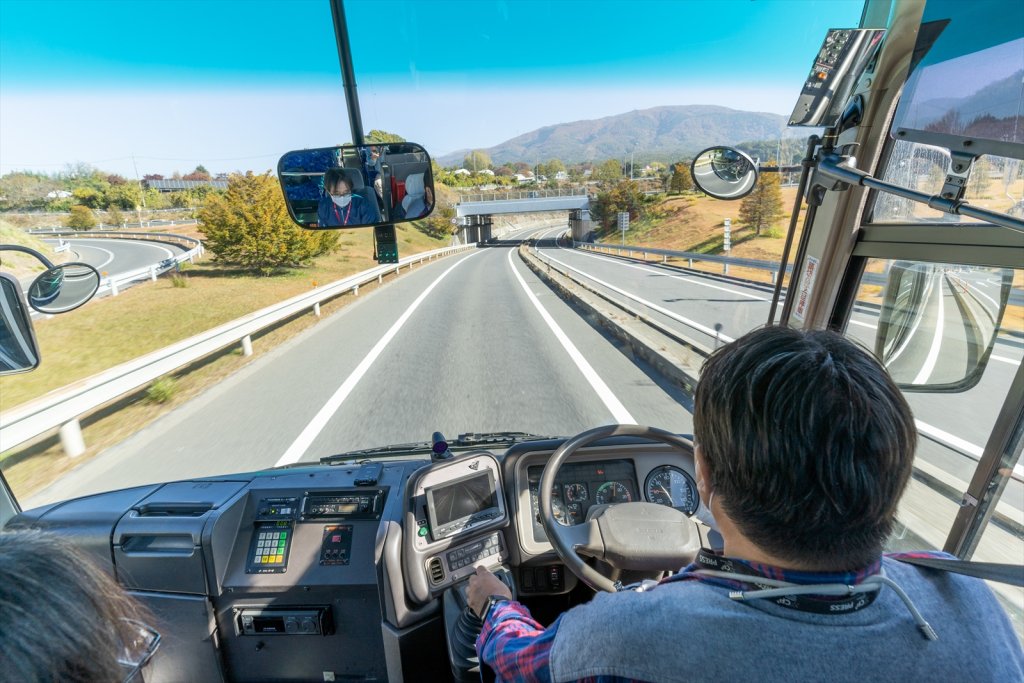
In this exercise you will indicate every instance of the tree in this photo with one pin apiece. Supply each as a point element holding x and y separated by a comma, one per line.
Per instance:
<point>114,215</point>
<point>81,218</point>
<point>152,176</point>
<point>477,160</point>
<point>24,190</point>
<point>248,226</point>
<point>608,171</point>
<point>762,207</point>
<point>125,196</point>
<point>680,181</point>
<point>88,196</point>
<point>115,179</point>
<point>981,175</point>
<point>624,196</point>
<point>200,173</point>
<point>376,136</point>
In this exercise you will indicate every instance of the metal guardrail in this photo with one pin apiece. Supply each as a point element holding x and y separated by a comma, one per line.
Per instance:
<point>689,256</point>
<point>63,407</point>
<point>114,284</point>
<point>522,194</point>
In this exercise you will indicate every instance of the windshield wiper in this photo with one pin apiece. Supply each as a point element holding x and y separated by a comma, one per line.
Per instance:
<point>463,441</point>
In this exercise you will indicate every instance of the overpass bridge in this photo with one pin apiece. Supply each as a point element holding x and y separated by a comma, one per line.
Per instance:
<point>474,211</point>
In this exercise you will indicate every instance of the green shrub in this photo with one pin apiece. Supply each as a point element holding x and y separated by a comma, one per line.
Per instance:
<point>162,390</point>
<point>179,281</point>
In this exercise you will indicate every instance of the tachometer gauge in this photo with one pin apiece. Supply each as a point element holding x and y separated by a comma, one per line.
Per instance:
<point>671,486</point>
<point>560,513</point>
<point>575,493</point>
<point>612,492</point>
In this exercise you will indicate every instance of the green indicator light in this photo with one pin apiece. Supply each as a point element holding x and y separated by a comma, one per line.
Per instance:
<point>423,531</point>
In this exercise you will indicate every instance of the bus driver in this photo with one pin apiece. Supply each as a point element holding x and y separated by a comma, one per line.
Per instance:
<point>804,446</point>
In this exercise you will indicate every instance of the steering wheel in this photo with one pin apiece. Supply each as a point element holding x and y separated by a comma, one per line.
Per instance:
<point>639,536</point>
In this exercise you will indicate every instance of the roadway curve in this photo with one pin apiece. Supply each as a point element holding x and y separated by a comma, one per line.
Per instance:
<point>113,257</point>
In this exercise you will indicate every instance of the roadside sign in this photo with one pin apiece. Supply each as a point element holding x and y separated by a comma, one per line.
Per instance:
<point>623,220</point>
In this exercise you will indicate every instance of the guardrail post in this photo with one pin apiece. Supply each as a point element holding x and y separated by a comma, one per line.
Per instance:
<point>775,276</point>
<point>246,345</point>
<point>725,269</point>
<point>664,258</point>
<point>645,256</point>
<point>316,309</point>
<point>689,262</point>
<point>355,290</point>
<point>398,269</point>
<point>380,278</point>
<point>71,439</point>
<point>113,288</point>
<point>152,273</point>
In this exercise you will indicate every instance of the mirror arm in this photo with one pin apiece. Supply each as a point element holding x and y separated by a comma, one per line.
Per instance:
<point>840,169</point>
<point>348,74</point>
<point>28,250</point>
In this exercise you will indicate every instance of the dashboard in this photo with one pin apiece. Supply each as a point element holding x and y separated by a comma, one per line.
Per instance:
<point>330,572</point>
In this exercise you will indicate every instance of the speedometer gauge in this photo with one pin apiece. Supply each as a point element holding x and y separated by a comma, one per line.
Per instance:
<point>668,485</point>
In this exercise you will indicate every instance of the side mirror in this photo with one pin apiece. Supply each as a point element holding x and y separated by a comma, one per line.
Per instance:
<point>63,288</point>
<point>357,186</point>
<point>18,349</point>
<point>938,324</point>
<point>724,173</point>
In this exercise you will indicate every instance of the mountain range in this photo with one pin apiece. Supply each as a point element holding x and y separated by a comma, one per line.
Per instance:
<point>660,133</point>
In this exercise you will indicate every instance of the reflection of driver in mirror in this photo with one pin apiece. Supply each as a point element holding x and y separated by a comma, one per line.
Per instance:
<point>803,485</point>
<point>340,205</point>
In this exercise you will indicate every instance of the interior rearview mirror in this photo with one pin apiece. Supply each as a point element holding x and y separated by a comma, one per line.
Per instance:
<point>18,349</point>
<point>724,173</point>
<point>357,186</point>
<point>938,324</point>
<point>63,288</point>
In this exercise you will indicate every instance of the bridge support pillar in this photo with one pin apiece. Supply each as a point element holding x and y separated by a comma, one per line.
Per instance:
<point>579,225</point>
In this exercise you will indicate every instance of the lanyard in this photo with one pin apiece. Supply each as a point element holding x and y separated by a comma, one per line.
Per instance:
<point>347,212</point>
<point>716,569</point>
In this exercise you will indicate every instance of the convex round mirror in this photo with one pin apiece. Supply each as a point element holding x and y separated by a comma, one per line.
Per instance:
<point>724,173</point>
<point>357,186</point>
<point>63,288</point>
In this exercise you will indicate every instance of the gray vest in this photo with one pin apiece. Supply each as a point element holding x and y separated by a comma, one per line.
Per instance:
<point>692,631</point>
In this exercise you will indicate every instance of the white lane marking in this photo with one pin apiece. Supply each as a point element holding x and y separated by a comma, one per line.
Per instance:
<point>913,330</point>
<point>105,251</point>
<point>319,421</point>
<point>940,323</point>
<point>618,411</point>
<point>949,439</point>
<point>1003,359</point>
<point>660,309</point>
<point>691,280</point>
<point>857,322</point>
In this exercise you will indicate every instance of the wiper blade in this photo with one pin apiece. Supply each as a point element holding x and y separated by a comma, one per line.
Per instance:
<point>417,447</point>
<point>474,438</point>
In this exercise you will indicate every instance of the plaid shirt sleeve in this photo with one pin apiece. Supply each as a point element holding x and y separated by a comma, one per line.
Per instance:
<point>515,646</point>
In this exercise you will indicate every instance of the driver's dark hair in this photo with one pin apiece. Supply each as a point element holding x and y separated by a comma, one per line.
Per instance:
<point>808,445</point>
<point>62,618</point>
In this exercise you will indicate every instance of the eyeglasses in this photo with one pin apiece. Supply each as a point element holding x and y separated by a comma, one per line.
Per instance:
<point>140,646</point>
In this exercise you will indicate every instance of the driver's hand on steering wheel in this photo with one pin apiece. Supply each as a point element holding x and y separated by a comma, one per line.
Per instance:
<point>482,585</point>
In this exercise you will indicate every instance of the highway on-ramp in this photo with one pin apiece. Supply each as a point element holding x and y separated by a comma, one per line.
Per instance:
<point>112,257</point>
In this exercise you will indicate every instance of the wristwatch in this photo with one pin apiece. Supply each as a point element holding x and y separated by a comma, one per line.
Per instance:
<point>492,600</point>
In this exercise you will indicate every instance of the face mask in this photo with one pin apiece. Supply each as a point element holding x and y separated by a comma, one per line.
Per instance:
<point>341,200</point>
<point>703,513</point>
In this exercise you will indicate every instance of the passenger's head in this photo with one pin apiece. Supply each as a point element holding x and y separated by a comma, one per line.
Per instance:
<point>806,443</point>
<point>336,183</point>
<point>61,617</point>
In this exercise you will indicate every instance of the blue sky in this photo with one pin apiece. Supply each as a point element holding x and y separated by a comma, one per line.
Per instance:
<point>234,83</point>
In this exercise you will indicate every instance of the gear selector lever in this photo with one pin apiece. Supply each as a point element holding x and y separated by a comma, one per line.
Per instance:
<point>462,628</point>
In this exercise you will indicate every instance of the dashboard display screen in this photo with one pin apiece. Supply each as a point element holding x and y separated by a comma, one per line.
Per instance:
<point>461,503</point>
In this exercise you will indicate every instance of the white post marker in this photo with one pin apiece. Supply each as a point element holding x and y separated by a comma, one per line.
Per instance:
<point>727,243</point>
<point>246,345</point>
<point>71,439</point>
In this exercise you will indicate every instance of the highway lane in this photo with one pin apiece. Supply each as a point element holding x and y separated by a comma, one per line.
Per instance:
<point>473,342</point>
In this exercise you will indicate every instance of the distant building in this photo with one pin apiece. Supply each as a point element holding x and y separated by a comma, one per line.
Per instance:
<point>487,171</point>
<point>181,185</point>
<point>561,175</point>
<point>58,194</point>
<point>587,172</point>
<point>521,178</point>
<point>461,171</point>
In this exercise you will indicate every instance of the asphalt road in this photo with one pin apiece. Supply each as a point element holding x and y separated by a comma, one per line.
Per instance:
<point>113,257</point>
<point>458,345</point>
